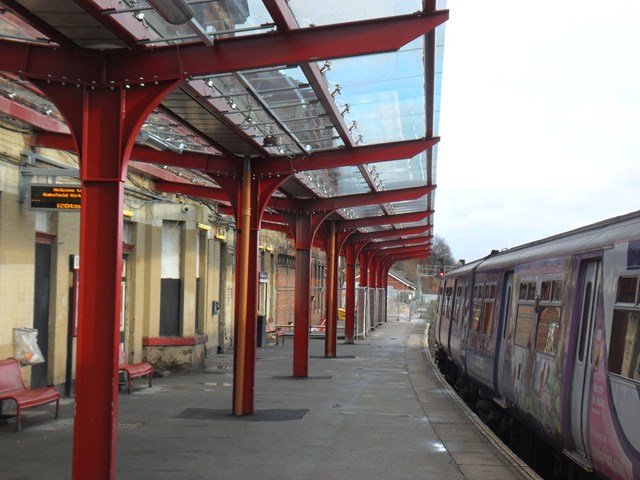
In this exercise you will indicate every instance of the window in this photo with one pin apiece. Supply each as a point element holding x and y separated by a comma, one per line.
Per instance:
<point>549,310</point>
<point>624,350</point>
<point>447,308</point>
<point>458,303</point>
<point>477,307</point>
<point>486,322</point>
<point>627,287</point>
<point>524,314</point>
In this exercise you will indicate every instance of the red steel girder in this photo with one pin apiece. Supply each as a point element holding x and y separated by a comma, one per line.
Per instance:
<point>346,201</point>
<point>192,189</point>
<point>32,117</point>
<point>398,252</point>
<point>276,227</point>
<point>401,232</point>
<point>215,165</point>
<point>409,256</point>
<point>122,67</point>
<point>382,220</point>
<point>344,157</point>
<point>400,242</point>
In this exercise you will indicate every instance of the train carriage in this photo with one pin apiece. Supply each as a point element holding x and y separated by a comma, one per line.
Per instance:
<point>550,331</point>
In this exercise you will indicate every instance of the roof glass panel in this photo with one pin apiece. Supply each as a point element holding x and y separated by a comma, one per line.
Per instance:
<point>383,94</point>
<point>338,11</point>
<point>402,173</point>
<point>216,18</point>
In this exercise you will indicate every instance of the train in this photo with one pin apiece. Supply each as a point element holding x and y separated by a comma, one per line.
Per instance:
<point>543,340</point>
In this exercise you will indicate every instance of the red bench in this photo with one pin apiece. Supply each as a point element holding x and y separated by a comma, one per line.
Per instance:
<point>134,370</point>
<point>12,387</point>
<point>278,332</point>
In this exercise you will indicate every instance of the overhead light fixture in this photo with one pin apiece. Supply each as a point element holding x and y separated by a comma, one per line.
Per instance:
<point>204,226</point>
<point>127,213</point>
<point>347,109</point>
<point>152,141</point>
<point>270,141</point>
<point>175,12</point>
<point>337,90</point>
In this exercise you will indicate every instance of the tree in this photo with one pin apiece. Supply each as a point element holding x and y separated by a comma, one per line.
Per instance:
<point>440,249</point>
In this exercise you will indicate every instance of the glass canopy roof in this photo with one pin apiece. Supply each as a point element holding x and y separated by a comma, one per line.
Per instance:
<point>284,111</point>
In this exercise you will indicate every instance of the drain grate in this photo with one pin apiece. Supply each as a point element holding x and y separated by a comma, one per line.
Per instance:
<point>272,415</point>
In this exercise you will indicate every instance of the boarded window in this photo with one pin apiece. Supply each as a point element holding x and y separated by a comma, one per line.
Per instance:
<point>624,350</point>
<point>549,311</point>
<point>524,314</point>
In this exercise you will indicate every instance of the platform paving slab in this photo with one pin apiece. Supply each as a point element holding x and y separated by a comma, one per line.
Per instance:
<point>377,411</point>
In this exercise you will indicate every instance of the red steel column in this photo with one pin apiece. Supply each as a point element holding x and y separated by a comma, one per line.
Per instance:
<point>104,123</point>
<point>332,284</point>
<point>363,259</point>
<point>248,197</point>
<point>244,351</point>
<point>371,290</point>
<point>304,226</point>
<point>350,294</point>
<point>302,296</point>
<point>381,311</point>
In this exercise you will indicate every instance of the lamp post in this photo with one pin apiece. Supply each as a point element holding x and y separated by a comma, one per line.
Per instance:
<point>410,304</point>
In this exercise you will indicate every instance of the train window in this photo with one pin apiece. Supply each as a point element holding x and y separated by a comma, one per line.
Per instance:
<point>624,351</point>
<point>556,291</point>
<point>477,307</point>
<point>524,318</point>
<point>523,291</point>
<point>525,313</point>
<point>527,291</point>
<point>548,329</point>
<point>549,310</point>
<point>457,304</point>
<point>486,321</point>
<point>627,287</point>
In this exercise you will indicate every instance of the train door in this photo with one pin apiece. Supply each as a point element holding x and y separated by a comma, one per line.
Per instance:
<point>500,366</point>
<point>581,381</point>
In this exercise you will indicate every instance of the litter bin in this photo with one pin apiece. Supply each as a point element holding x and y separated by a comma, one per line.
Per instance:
<point>260,333</point>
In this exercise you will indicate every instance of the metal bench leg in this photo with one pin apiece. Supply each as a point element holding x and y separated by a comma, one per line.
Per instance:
<point>18,425</point>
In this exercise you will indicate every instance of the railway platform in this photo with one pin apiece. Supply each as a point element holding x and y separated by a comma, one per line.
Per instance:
<point>379,410</point>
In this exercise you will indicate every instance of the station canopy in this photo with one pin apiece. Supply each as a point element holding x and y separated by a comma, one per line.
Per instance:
<point>344,125</point>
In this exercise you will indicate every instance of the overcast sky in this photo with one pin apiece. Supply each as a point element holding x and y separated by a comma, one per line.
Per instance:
<point>540,120</point>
